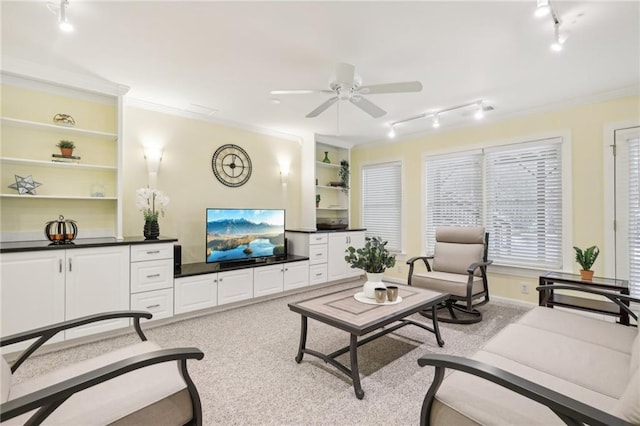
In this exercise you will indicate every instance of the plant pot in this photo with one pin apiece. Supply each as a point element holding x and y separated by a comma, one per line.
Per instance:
<point>151,230</point>
<point>67,152</point>
<point>586,275</point>
<point>374,280</point>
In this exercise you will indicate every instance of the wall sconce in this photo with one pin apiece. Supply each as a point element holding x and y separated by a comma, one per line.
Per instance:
<point>153,156</point>
<point>284,173</point>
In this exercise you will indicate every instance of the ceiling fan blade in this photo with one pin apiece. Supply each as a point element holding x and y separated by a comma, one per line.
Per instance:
<point>298,92</point>
<point>326,104</point>
<point>368,107</point>
<point>406,86</point>
<point>345,73</point>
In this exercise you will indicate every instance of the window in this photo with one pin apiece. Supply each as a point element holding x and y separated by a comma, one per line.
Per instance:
<point>515,191</point>
<point>382,201</point>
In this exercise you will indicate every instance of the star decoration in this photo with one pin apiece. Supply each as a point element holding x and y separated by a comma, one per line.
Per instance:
<point>25,185</point>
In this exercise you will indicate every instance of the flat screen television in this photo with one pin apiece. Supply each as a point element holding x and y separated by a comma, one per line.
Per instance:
<point>244,234</point>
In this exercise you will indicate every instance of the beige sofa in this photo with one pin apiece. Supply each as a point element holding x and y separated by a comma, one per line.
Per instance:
<point>552,365</point>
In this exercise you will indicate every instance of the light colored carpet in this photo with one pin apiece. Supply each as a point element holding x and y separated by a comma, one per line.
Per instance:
<point>249,375</point>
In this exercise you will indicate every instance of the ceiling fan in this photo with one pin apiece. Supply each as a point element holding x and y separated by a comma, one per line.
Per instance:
<point>348,86</point>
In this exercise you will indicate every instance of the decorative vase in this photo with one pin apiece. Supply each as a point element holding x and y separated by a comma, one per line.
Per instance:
<point>151,230</point>
<point>326,158</point>
<point>586,275</point>
<point>374,280</point>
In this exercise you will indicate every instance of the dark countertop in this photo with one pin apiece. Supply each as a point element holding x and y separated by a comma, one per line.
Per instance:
<point>322,231</point>
<point>190,269</point>
<point>18,246</point>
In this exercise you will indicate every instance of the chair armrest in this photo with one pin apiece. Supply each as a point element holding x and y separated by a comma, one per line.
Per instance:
<point>622,300</point>
<point>411,262</point>
<point>568,409</point>
<point>53,396</point>
<point>45,333</point>
<point>423,258</point>
<point>472,268</point>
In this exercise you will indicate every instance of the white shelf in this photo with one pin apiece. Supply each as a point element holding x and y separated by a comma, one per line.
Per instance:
<point>327,165</point>
<point>6,121</point>
<point>57,197</point>
<point>331,208</point>
<point>329,187</point>
<point>9,160</point>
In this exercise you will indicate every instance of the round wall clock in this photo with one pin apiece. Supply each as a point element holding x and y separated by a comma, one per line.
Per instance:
<point>231,165</point>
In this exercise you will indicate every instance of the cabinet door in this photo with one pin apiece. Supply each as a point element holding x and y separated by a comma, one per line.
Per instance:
<point>235,285</point>
<point>197,292</point>
<point>336,265</point>
<point>355,239</point>
<point>97,281</point>
<point>32,292</point>
<point>267,280</point>
<point>296,275</point>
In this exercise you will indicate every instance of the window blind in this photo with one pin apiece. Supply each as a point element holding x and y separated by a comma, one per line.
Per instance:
<point>454,193</point>
<point>634,217</point>
<point>382,202</point>
<point>524,204</point>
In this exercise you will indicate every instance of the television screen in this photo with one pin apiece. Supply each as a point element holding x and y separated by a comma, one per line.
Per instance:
<point>244,234</point>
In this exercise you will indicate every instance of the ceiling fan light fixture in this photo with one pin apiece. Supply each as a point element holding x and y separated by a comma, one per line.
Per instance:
<point>542,9</point>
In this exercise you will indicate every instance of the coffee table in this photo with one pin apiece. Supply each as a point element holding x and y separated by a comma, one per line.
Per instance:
<point>343,311</point>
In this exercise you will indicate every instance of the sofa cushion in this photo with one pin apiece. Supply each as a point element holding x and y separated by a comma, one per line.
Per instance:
<point>592,330</point>
<point>462,395</point>
<point>628,407</point>
<point>445,282</point>
<point>5,380</point>
<point>111,400</point>
<point>589,365</point>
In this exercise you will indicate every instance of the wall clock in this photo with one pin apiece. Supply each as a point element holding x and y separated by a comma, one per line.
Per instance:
<point>231,165</point>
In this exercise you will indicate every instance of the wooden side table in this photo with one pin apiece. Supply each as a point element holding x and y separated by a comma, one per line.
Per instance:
<point>581,303</point>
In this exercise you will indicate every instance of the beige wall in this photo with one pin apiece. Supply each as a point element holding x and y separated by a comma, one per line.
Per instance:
<point>185,174</point>
<point>585,124</point>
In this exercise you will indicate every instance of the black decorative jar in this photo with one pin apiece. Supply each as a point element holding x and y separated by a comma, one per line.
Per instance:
<point>151,230</point>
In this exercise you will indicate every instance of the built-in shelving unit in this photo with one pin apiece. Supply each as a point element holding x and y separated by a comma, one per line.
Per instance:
<point>86,187</point>
<point>334,201</point>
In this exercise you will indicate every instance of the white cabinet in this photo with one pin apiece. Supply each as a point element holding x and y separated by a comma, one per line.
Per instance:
<point>313,246</point>
<point>33,285</point>
<point>152,279</point>
<point>234,286</point>
<point>97,280</point>
<point>275,279</point>
<point>196,292</point>
<point>337,267</point>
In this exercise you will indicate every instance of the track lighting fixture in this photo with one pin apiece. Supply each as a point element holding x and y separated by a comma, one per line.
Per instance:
<point>542,9</point>
<point>435,116</point>
<point>558,38</point>
<point>61,10</point>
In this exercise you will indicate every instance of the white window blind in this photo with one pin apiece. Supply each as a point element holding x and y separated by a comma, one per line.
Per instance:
<point>634,217</point>
<point>454,193</point>
<point>524,204</point>
<point>382,202</point>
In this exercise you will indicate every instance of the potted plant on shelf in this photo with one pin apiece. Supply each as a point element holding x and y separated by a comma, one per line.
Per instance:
<point>586,259</point>
<point>374,258</point>
<point>317,200</point>
<point>344,175</point>
<point>66,148</point>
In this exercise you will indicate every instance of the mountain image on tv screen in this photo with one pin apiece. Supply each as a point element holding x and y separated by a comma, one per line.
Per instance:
<point>234,234</point>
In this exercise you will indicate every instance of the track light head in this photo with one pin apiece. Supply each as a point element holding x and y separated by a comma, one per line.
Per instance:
<point>392,131</point>
<point>558,38</point>
<point>479,114</point>
<point>60,9</point>
<point>542,9</point>
<point>436,121</point>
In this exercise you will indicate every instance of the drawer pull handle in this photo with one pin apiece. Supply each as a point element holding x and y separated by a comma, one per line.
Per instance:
<point>319,274</point>
<point>153,252</point>
<point>153,276</point>
<point>157,305</point>
<point>318,254</point>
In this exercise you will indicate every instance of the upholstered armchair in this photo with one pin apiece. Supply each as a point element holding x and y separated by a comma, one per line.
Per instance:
<point>137,384</point>
<point>458,267</point>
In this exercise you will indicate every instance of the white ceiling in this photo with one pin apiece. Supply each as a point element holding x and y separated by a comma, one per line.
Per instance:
<point>228,56</point>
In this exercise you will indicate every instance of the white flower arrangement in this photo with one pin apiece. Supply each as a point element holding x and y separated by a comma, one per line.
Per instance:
<point>151,203</point>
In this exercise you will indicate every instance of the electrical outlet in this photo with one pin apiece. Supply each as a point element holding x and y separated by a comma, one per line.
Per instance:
<point>524,288</point>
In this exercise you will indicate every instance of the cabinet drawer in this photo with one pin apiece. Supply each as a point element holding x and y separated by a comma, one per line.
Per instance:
<point>317,239</point>
<point>144,252</point>
<point>153,275</point>
<point>318,274</point>
<point>158,302</point>
<point>317,254</point>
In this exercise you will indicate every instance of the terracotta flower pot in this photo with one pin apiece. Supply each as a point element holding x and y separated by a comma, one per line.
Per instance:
<point>67,152</point>
<point>586,275</point>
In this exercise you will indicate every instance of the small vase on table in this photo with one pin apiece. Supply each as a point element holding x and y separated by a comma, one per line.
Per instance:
<point>151,230</point>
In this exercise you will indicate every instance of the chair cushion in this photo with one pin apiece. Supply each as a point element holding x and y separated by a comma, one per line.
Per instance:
<point>460,234</point>
<point>628,406</point>
<point>111,400</point>
<point>456,258</point>
<point>173,410</point>
<point>5,380</point>
<point>445,282</point>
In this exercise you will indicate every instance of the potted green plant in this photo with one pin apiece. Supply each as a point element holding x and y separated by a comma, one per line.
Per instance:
<point>66,147</point>
<point>374,258</point>
<point>344,173</point>
<point>586,260</point>
<point>318,200</point>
